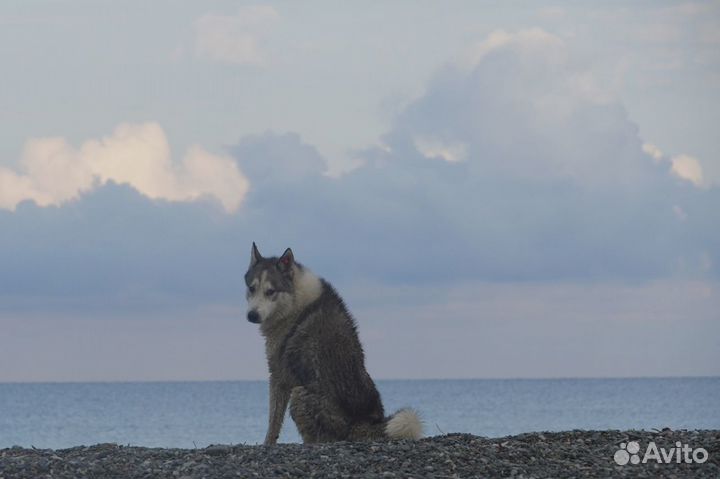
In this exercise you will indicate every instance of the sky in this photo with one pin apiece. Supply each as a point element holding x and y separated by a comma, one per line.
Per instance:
<point>497,189</point>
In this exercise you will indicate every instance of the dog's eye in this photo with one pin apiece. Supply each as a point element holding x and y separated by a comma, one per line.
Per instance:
<point>269,292</point>
<point>251,289</point>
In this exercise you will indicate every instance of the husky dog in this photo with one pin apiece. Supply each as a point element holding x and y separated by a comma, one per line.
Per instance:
<point>316,362</point>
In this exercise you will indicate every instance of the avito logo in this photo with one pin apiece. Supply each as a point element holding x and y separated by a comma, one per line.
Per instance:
<point>681,453</point>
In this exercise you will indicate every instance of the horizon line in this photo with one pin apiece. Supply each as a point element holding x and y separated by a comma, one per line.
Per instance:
<point>518,378</point>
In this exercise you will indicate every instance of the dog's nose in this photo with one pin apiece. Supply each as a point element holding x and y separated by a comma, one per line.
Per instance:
<point>253,316</point>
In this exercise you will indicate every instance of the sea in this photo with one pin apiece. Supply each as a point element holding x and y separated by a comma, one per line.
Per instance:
<point>197,414</point>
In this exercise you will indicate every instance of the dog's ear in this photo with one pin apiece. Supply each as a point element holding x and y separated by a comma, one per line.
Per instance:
<point>286,261</point>
<point>255,255</point>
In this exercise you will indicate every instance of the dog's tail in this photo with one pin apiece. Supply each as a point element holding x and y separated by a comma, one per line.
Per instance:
<point>404,424</point>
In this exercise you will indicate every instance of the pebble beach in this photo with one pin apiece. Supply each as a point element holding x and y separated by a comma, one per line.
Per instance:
<point>572,454</point>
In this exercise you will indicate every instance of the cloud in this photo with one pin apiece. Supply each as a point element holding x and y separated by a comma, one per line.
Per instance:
<point>653,151</point>
<point>555,180</point>
<point>688,168</point>
<point>534,41</point>
<point>554,185</point>
<point>234,39</point>
<point>435,148</point>
<point>524,107</point>
<point>116,250</point>
<point>53,172</point>
<point>278,158</point>
<point>682,166</point>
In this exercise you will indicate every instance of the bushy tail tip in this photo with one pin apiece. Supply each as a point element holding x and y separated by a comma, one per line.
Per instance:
<point>404,424</point>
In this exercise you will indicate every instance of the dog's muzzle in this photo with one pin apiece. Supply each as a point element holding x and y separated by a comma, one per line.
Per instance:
<point>253,316</point>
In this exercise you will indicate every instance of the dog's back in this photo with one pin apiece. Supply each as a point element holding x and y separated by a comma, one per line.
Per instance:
<point>323,353</point>
<point>315,358</point>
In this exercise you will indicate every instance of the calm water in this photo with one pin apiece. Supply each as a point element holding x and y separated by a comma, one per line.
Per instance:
<point>202,413</point>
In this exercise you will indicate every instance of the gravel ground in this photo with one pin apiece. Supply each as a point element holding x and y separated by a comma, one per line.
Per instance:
<point>536,455</point>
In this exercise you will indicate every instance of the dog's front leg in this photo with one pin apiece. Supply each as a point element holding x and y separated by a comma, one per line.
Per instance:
<point>279,397</point>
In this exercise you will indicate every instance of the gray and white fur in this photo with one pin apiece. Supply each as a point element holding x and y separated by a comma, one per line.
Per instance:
<point>316,361</point>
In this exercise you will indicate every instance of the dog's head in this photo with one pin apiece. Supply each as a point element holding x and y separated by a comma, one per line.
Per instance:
<point>270,285</point>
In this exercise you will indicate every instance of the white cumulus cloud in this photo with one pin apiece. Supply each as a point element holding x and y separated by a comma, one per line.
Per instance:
<point>53,172</point>
<point>683,166</point>
<point>687,168</point>
<point>653,151</point>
